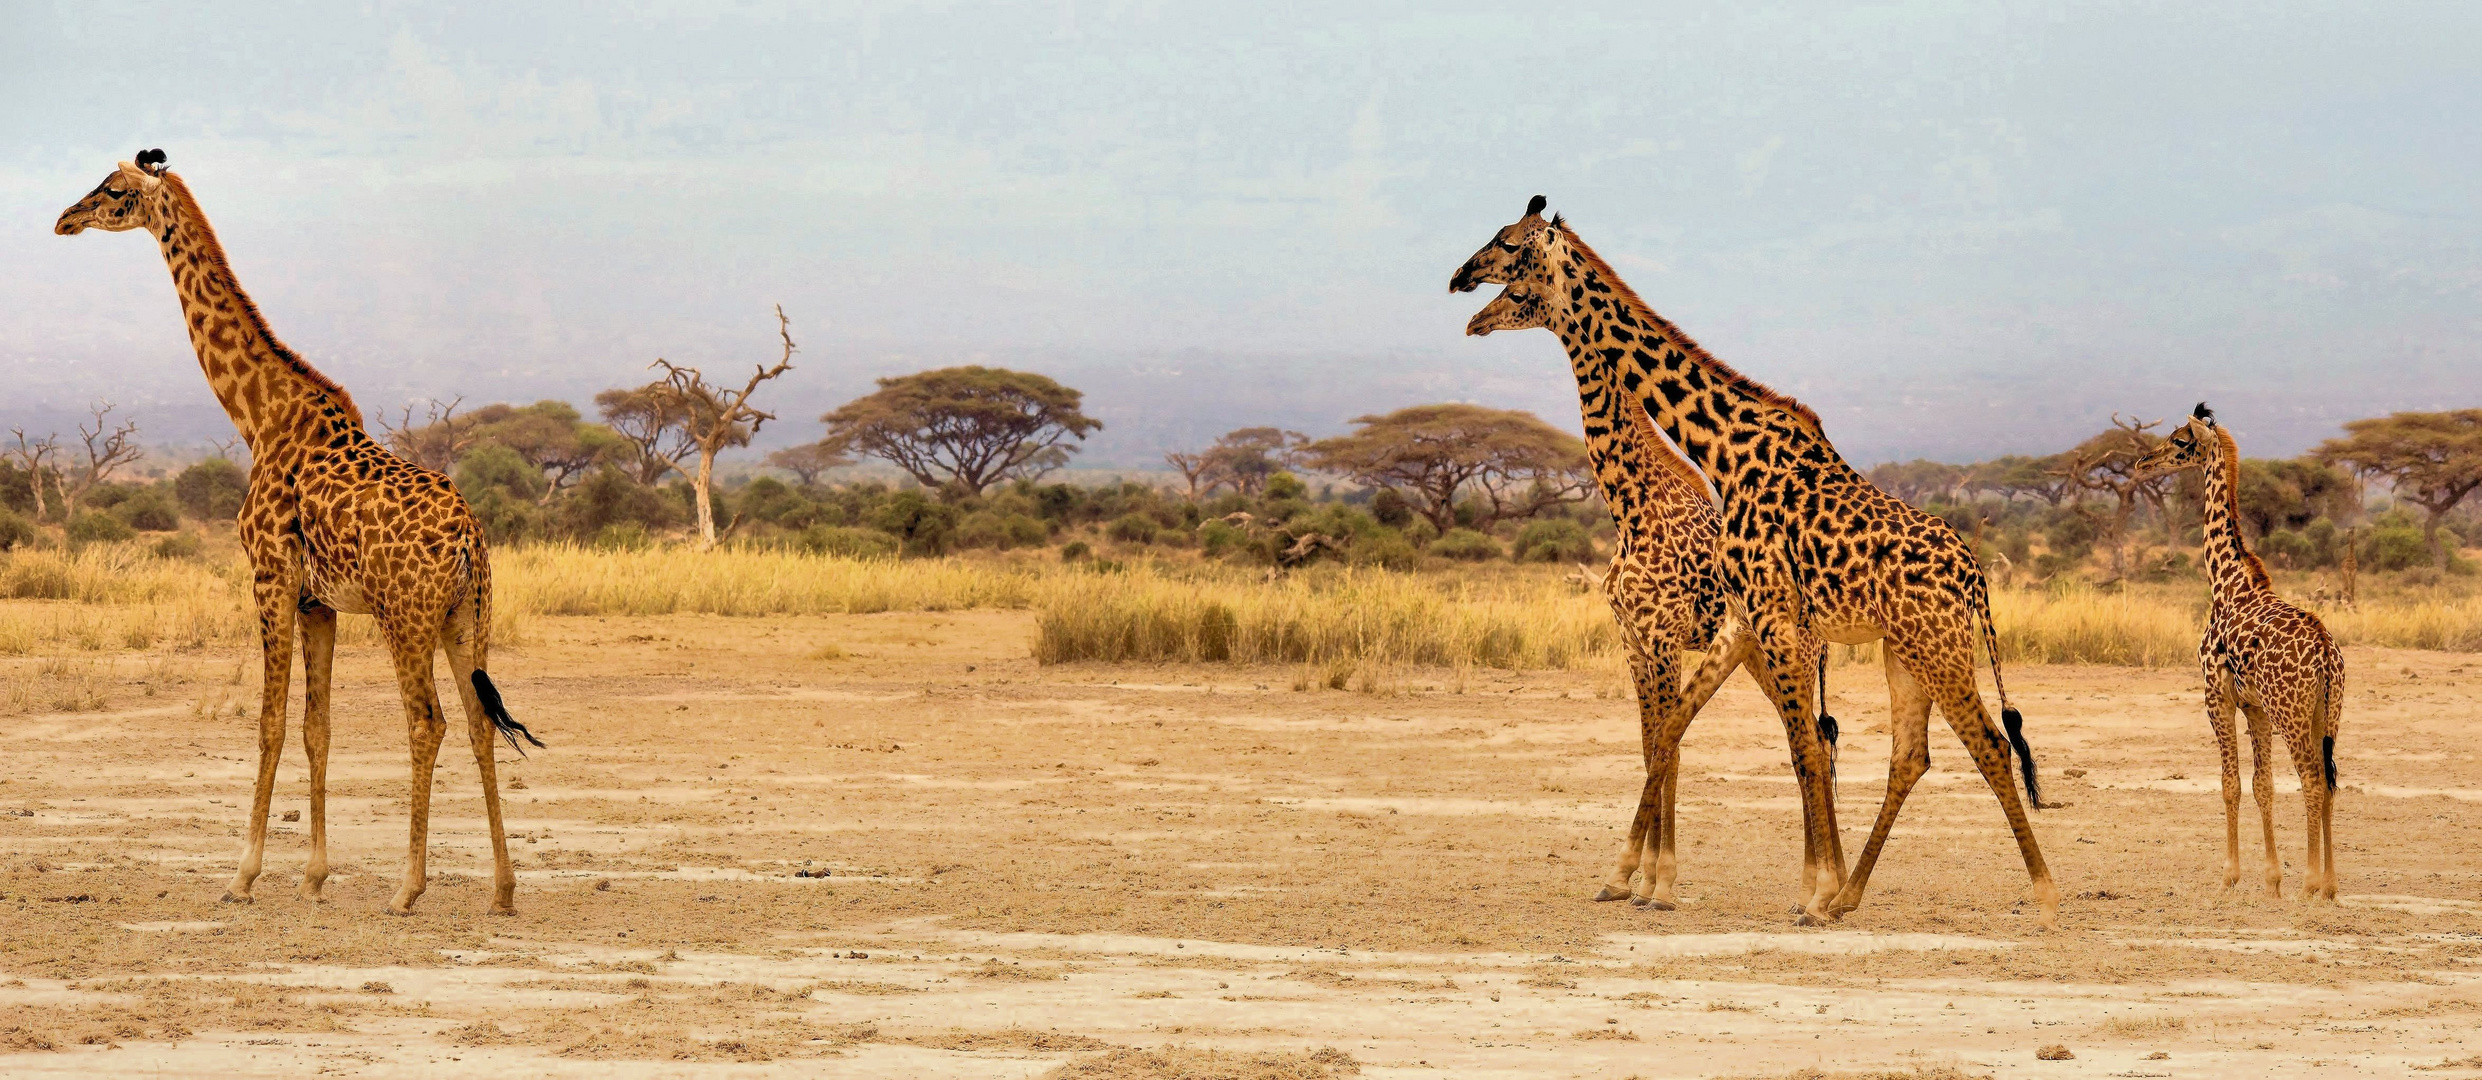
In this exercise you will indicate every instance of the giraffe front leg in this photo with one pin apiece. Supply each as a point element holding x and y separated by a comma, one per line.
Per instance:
<point>1662,776</point>
<point>2262,789</point>
<point>1617,887</point>
<point>318,664</point>
<point>276,604</point>
<point>1785,675</point>
<point>2219,711</point>
<point>424,730</point>
<point>1716,667</point>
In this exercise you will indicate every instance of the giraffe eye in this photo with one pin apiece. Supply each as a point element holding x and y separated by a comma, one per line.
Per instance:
<point>113,193</point>
<point>1503,245</point>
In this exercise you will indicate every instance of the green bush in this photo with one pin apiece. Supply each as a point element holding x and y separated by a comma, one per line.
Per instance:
<point>2287,548</point>
<point>1554,540</point>
<point>90,527</point>
<point>847,541</point>
<point>15,530</point>
<point>149,510</point>
<point>1465,545</point>
<point>2072,536</point>
<point>1285,485</point>
<point>2394,547</point>
<point>1133,528</point>
<point>1391,509</point>
<point>991,529</point>
<point>1421,532</point>
<point>212,489</point>
<point>920,524</point>
<point>1387,548</point>
<point>496,467</point>
<point>178,545</point>
<point>1219,538</point>
<point>1074,550</point>
<point>505,517</point>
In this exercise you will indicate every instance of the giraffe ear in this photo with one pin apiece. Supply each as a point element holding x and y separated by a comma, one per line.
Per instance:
<point>1534,206</point>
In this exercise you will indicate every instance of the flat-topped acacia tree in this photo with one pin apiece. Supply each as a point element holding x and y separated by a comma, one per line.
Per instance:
<point>959,430</point>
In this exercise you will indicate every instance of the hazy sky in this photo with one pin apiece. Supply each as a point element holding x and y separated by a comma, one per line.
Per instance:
<point>1956,230</point>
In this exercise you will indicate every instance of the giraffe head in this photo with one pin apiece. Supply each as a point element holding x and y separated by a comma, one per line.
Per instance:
<point>2198,444</point>
<point>1517,258</point>
<point>125,200</point>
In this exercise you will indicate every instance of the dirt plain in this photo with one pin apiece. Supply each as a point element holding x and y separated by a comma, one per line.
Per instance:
<point>891,845</point>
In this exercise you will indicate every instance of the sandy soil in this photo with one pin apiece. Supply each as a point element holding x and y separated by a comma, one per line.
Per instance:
<point>1016,869</point>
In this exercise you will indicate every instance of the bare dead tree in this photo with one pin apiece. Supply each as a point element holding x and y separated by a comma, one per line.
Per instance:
<point>224,447</point>
<point>717,417</point>
<point>33,455</point>
<point>438,442</point>
<point>2107,463</point>
<point>107,449</point>
<point>1195,466</point>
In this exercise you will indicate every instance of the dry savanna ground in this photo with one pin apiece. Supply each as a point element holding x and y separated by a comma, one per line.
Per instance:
<point>892,845</point>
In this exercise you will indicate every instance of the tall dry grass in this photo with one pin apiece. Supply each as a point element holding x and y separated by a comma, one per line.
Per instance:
<point>107,597</point>
<point>1370,616</point>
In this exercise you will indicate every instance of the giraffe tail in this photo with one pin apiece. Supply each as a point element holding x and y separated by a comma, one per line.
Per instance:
<point>2010,720</point>
<point>2326,724</point>
<point>497,710</point>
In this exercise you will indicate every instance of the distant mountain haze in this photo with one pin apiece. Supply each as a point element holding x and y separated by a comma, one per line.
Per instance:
<point>1955,230</point>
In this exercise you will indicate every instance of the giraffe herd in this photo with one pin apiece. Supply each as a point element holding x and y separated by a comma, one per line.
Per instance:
<point>1742,534</point>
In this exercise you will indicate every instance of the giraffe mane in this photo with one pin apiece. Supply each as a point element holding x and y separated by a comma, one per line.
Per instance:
<point>1721,371</point>
<point>2230,467</point>
<point>249,308</point>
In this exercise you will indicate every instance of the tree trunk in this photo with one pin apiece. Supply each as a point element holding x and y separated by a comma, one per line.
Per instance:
<point>702,484</point>
<point>2430,536</point>
<point>37,476</point>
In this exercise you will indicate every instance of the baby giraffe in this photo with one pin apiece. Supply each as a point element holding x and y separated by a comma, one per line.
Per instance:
<point>2269,659</point>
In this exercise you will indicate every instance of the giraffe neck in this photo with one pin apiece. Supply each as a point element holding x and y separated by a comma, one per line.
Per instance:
<point>1719,418</point>
<point>269,392</point>
<point>1636,470</point>
<point>2231,569</point>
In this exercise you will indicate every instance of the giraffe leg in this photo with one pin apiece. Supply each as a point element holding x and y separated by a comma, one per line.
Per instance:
<point>1717,666</point>
<point>276,603</point>
<point>318,663</point>
<point>1960,702</point>
<point>1662,767</point>
<point>411,649</point>
<point>2305,764</point>
<point>1648,723</point>
<point>463,661</point>
<point>2262,788</point>
<point>1908,723</point>
<point>2326,825</point>
<point>2219,709</point>
<point>1788,679</point>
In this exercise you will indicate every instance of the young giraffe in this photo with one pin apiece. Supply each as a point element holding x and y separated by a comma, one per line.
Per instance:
<point>1666,598</point>
<point>331,523</point>
<point>2268,658</point>
<point>1809,548</point>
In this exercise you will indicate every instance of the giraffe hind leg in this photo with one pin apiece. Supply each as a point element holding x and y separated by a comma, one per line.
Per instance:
<point>1618,886</point>
<point>318,668</point>
<point>1908,724</point>
<point>424,728</point>
<point>1960,702</point>
<point>482,718</point>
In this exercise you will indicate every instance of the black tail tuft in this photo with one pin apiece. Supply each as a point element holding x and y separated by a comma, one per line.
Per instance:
<point>2327,748</point>
<point>2014,722</point>
<point>507,725</point>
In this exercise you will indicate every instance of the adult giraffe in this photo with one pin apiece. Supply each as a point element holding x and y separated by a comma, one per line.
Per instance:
<point>1809,548</point>
<point>331,523</point>
<point>1668,599</point>
<point>2263,656</point>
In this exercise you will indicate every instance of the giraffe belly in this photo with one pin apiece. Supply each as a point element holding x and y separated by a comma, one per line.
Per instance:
<point>1851,633</point>
<point>344,596</point>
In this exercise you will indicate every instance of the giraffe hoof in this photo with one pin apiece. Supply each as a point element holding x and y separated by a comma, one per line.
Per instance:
<point>231,897</point>
<point>1611,892</point>
<point>1653,903</point>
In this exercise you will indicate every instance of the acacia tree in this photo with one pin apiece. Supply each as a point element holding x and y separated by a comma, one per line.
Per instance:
<point>713,418</point>
<point>2046,478</point>
<point>1242,459</point>
<point>2107,463</point>
<point>647,419</point>
<point>33,454</point>
<point>1917,480</point>
<point>437,442</point>
<point>959,430</point>
<point>2432,460</point>
<point>1510,463</point>
<point>107,448</point>
<point>552,437</point>
<point>808,460</point>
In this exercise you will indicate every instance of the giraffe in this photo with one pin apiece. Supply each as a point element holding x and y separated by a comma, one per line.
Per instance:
<point>331,522</point>
<point>2267,658</point>
<point>1667,598</point>
<point>1808,548</point>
